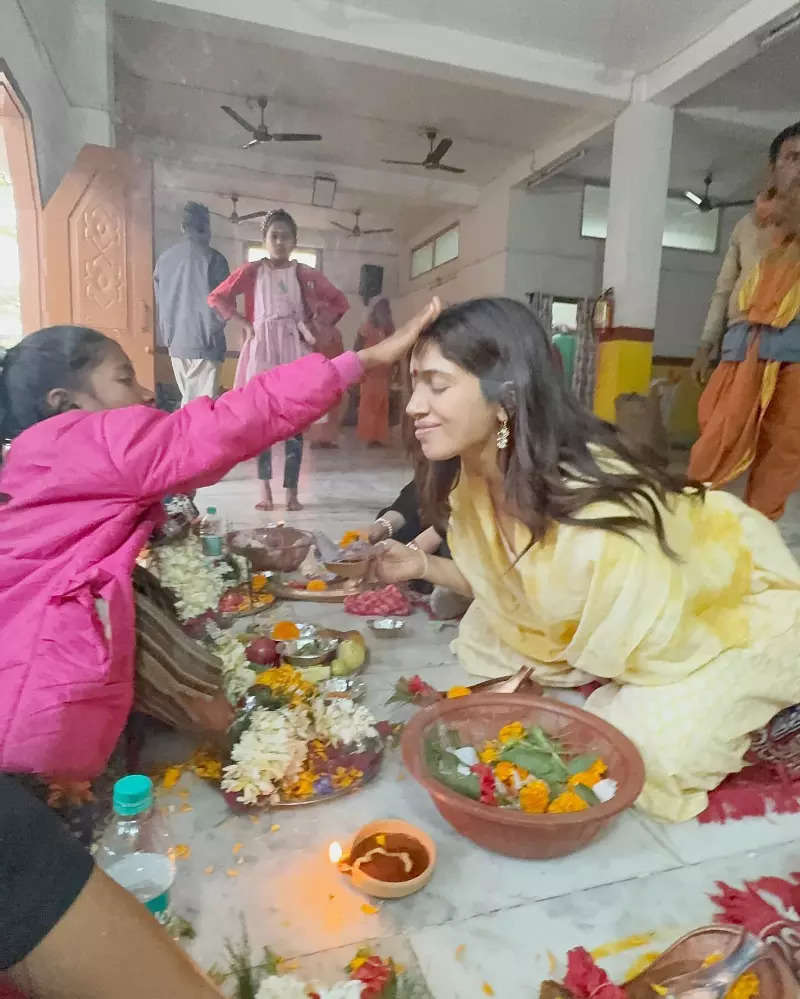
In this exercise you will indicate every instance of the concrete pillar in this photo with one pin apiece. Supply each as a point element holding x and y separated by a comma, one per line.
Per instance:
<point>632,265</point>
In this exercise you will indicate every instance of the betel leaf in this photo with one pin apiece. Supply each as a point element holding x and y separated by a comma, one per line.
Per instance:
<point>537,738</point>
<point>443,765</point>
<point>543,766</point>
<point>587,794</point>
<point>581,763</point>
<point>536,761</point>
<point>468,785</point>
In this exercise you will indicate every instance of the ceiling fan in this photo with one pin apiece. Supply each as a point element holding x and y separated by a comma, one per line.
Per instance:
<point>261,133</point>
<point>235,217</point>
<point>433,161</point>
<point>706,203</point>
<point>357,230</point>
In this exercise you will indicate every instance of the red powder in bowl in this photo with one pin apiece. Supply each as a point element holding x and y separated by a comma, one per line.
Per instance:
<point>384,868</point>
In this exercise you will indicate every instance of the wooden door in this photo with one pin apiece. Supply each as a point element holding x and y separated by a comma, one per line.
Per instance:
<point>98,252</point>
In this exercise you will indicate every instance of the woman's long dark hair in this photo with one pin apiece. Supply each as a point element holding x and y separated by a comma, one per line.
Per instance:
<point>554,465</point>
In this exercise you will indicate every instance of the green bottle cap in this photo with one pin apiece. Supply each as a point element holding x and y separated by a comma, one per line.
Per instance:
<point>133,794</point>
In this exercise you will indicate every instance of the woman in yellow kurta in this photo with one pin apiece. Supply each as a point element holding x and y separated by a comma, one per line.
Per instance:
<point>590,563</point>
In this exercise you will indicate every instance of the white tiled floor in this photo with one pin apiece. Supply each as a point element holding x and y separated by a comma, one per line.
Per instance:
<point>483,918</point>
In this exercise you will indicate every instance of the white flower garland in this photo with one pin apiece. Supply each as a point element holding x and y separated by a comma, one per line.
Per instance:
<point>196,581</point>
<point>274,748</point>
<point>238,673</point>
<point>271,750</point>
<point>290,987</point>
<point>341,722</point>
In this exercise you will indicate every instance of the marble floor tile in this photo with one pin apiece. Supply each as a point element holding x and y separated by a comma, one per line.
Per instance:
<point>514,949</point>
<point>694,842</point>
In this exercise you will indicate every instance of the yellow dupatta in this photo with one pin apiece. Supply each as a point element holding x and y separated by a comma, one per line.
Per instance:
<point>585,603</point>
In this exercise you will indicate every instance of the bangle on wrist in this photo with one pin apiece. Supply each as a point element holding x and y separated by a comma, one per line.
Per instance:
<point>386,524</point>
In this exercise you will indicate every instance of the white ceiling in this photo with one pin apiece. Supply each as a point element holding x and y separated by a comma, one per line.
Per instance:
<point>171,81</point>
<point>175,65</point>
<point>762,94</point>
<point>623,34</point>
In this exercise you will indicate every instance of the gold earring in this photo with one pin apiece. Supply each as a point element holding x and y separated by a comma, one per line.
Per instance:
<point>503,435</point>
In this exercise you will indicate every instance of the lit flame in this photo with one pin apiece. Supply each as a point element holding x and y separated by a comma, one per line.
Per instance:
<point>335,852</point>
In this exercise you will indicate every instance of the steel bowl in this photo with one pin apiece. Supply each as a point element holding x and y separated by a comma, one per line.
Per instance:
<point>312,651</point>
<point>386,627</point>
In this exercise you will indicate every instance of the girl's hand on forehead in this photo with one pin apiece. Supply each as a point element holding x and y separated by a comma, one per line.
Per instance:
<point>396,346</point>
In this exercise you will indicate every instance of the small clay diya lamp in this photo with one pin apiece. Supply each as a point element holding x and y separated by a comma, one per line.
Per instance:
<point>390,859</point>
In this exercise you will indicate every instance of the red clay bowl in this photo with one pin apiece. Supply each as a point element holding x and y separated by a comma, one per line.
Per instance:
<point>478,718</point>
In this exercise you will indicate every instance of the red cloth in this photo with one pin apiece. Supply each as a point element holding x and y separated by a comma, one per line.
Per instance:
<point>379,603</point>
<point>373,407</point>
<point>756,790</point>
<point>752,907</point>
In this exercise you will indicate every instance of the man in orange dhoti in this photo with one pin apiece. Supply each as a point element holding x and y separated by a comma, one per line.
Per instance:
<point>749,413</point>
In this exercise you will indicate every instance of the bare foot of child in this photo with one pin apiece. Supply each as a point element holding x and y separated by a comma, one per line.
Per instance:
<point>292,502</point>
<point>266,502</point>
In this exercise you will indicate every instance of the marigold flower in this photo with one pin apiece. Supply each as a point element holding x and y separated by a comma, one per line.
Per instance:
<point>350,538</point>
<point>171,777</point>
<point>490,752</point>
<point>346,777</point>
<point>590,776</point>
<point>746,987</point>
<point>454,692</point>
<point>511,732</point>
<point>285,631</point>
<point>316,586</point>
<point>303,787</point>
<point>534,797</point>
<point>569,801</point>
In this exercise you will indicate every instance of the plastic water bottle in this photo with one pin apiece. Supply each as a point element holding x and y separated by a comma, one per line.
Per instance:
<point>210,531</point>
<point>136,848</point>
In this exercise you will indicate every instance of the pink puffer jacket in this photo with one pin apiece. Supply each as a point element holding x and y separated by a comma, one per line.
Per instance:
<point>86,492</point>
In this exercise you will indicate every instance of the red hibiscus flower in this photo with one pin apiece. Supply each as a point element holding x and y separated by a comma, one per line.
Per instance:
<point>375,974</point>
<point>486,777</point>
<point>584,979</point>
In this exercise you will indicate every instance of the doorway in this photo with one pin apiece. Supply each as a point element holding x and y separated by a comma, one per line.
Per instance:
<point>20,218</point>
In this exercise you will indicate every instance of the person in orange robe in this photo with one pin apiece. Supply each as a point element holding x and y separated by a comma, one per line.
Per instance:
<point>373,408</point>
<point>749,414</point>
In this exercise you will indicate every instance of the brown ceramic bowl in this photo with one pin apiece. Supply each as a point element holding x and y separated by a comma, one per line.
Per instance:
<point>478,718</point>
<point>349,570</point>
<point>393,889</point>
<point>271,549</point>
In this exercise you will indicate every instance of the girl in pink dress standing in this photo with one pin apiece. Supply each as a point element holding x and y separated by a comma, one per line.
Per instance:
<point>287,307</point>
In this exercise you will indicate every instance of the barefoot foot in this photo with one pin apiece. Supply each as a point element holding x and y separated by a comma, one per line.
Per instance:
<point>266,498</point>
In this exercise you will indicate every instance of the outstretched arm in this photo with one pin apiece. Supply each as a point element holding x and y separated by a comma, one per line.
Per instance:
<point>153,453</point>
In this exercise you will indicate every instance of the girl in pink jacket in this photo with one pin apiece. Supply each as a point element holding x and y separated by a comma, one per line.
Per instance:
<point>83,482</point>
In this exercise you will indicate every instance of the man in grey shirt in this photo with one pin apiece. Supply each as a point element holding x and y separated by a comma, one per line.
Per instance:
<point>192,332</point>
